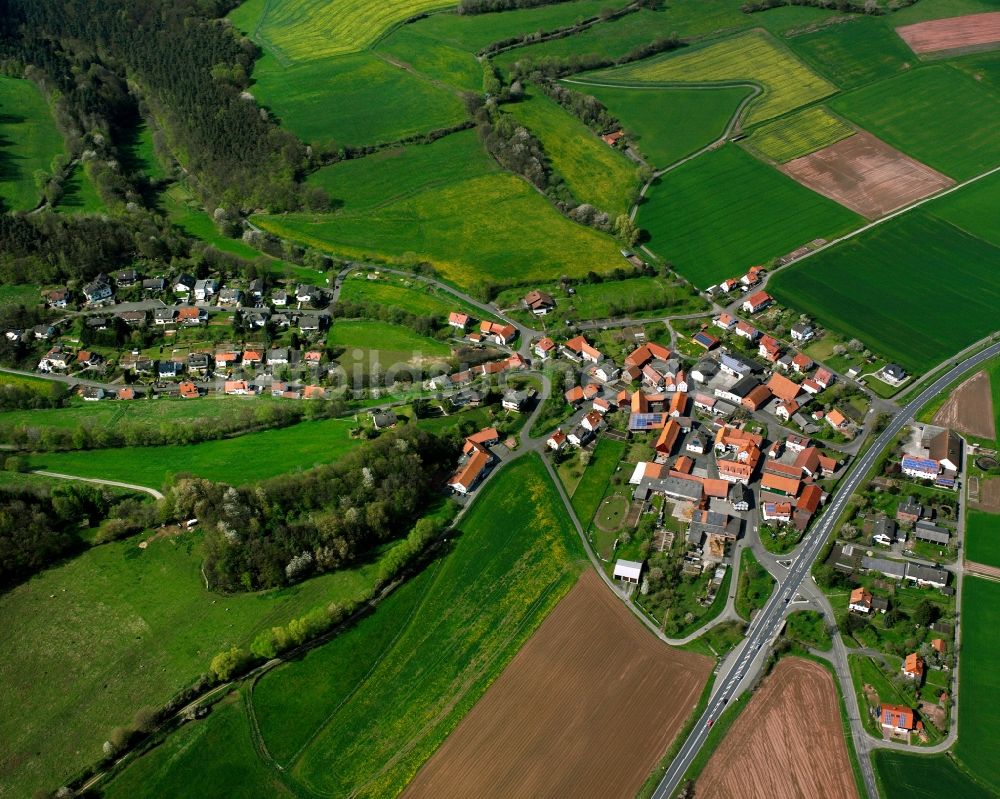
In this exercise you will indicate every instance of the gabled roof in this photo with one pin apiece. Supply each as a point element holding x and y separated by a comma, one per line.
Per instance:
<point>809,499</point>
<point>783,388</point>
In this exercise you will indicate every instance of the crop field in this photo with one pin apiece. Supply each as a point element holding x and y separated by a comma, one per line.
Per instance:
<point>528,239</point>
<point>853,289</point>
<point>594,172</point>
<point>753,57</point>
<point>974,209</point>
<point>668,124</point>
<point>979,716</point>
<point>147,613</point>
<point>29,141</point>
<point>905,776</point>
<point>707,217</point>
<point>915,113</point>
<point>355,100</point>
<point>591,673</point>
<point>603,464</point>
<point>983,68</point>
<point>432,58</point>
<point>866,175</point>
<point>391,175</point>
<point>79,194</point>
<point>799,134</point>
<point>304,30</point>
<point>982,543</point>
<point>855,52</point>
<point>973,31</point>
<point>244,459</point>
<point>788,742</point>
<point>969,409</point>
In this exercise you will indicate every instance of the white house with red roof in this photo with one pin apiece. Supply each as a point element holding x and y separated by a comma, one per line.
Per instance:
<point>769,348</point>
<point>757,302</point>
<point>579,349</point>
<point>747,331</point>
<point>544,348</point>
<point>725,321</point>
<point>557,440</point>
<point>459,320</point>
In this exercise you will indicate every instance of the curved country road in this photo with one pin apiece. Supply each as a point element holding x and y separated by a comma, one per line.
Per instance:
<point>132,486</point>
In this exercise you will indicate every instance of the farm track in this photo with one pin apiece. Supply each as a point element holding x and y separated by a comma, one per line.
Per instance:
<point>132,486</point>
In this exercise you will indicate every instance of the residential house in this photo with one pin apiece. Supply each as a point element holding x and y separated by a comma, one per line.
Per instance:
<point>538,302</point>
<point>909,511</point>
<point>696,443</point>
<point>922,575</point>
<point>780,512</point>
<point>740,496</point>
<point>279,298</point>
<point>205,289</point>
<point>784,389</point>
<point>164,316</point>
<point>757,398</point>
<point>257,319</point>
<point>579,349</point>
<point>557,440</point>
<point>806,506</point>
<point>126,393</point>
<point>860,600</point>
<point>740,389</point>
<point>188,390</point>
<point>92,393</point>
<point>725,321</point>
<point>838,421</point>
<point>786,410</point>
<point>893,373</point>
<point>885,531</point>
<point>383,420</point>
<point>154,285</point>
<point>458,320</point>
<point>98,289</point>
<point>920,468</point>
<point>705,523</point>
<point>645,353</point>
<point>769,348</point>
<point>575,396</point>
<point>601,405</point>
<point>757,302</point>
<point>256,289</point>
<point>913,667</point>
<point>927,531</point>
<point>704,371</point>
<point>801,363</point>
<point>127,277</point>
<point>606,371</point>
<point>253,358</point>
<point>543,349</point>
<point>198,362</point>
<point>308,295</point>
<point>190,316</point>
<point>515,400</point>
<point>736,366</point>
<point>310,323</point>
<point>796,443</point>
<point>58,298</point>
<point>500,334</point>
<point>133,318</point>
<point>183,283</point>
<point>705,340</point>
<point>228,296</point>
<point>236,387</point>
<point>169,369</point>
<point>897,718</point>
<point>802,331</point>
<point>471,471</point>
<point>224,360</point>
<point>579,436</point>
<point>592,421</point>
<point>278,356</point>
<point>747,331</point>
<point>824,377</point>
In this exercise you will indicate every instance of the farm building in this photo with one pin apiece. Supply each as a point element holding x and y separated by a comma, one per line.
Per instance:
<point>628,571</point>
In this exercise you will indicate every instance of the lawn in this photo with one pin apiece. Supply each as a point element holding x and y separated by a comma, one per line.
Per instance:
<point>979,715</point>
<point>87,643</point>
<point>798,134</point>
<point>668,124</point>
<point>974,209</point>
<point>303,30</point>
<point>751,57</point>
<point>408,295</point>
<point>905,776</point>
<point>244,459</point>
<point>447,226</point>
<point>29,141</point>
<point>854,289</point>
<point>595,173</point>
<point>79,194</point>
<point>856,52</point>
<point>358,99</point>
<point>394,174</point>
<point>597,477</point>
<point>982,67</point>
<point>809,628</point>
<point>982,538</point>
<point>26,294</point>
<point>375,336</point>
<point>916,112</point>
<point>724,211</point>
<point>754,586</point>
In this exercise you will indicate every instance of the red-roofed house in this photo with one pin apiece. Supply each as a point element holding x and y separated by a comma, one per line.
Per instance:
<point>601,405</point>
<point>557,440</point>
<point>683,464</point>
<point>591,390</point>
<point>897,718</point>
<point>786,410</point>
<point>784,389</point>
<point>611,139</point>
<point>668,437</point>
<point>544,348</point>
<point>837,420</point>
<point>802,363</point>
<point>810,385</point>
<point>471,472</point>
<point>789,486</point>
<point>126,393</point>
<point>236,387</point>
<point>640,356</point>
<point>592,421</point>
<point>188,390</point>
<point>747,331</point>
<point>757,302</point>
<point>913,667</point>
<point>769,348</point>
<point>575,395</point>
<point>807,505</point>
<point>579,349</point>
<point>758,397</point>
<point>678,404</point>
<point>725,321</point>
<point>824,377</point>
<point>501,334</point>
<point>776,511</point>
<point>459,320</point>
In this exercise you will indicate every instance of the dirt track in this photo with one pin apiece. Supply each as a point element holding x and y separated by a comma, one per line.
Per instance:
<point>866,175</point>
<point>969,409</point>
<point>954,33</point>
<point>586,708</point>
<point>787,744</point>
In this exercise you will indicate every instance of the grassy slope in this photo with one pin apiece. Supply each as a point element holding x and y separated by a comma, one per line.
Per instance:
<point>28,142</point>
<point>493,227</point>
<point>371,334</point>
<point>855,288</point>
<point>79,194</point>
<point>798,134</point>
<point>236,460</point>
<point>590,490</point>
<point>724,211</point>
<point>669,124</point>
<point>594,172</point>
<point>982,543</point>
<point>916,112</point>
<point>87,643</point>
<point>399,292</point>
<point>432,58</point>
<point>352,100</point>
<point>754,587</point>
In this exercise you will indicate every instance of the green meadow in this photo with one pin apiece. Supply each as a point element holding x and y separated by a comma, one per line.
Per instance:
<point>244,459</point>
<point>724,211</point>
<point>982,538</point>
<point>434,59</point>
<point>981,67</point>
<point>973,209</point>
<point>368,340</point>
<point>854,288</point>
<point>26,294</point>
<point>79,194</point>
<point>595,173</point>
<point>910,776</point>
<point>409,295</point>
<point>490,228</point>
<point>353,100</point>
<point>916,113</point>
<point>590,490</point>
<point>155,627</point>
<point>668,124</point>
<point>185,212</point>
<point>29,141</point>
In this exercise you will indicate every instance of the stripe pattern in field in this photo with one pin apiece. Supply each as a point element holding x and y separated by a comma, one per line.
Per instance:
<point>586,708</point>
<point>973,31</point>
<point>868,176</point>
<point>799,134</point>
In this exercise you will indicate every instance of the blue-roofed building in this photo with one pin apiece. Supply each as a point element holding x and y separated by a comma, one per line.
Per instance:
<point>646,421</point>
<point>705,339</point>
<point>737,367</point>
<point>921,468</point>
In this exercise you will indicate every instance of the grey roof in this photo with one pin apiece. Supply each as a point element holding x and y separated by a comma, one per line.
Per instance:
<point>910,505</point>
<point>510,395</point>
<point>166,314</point>
<point>880,603</point>
<point>894,370</point>
<point>714,522</point>
<point>706,367</point>
<point>744,386</point>
<point>885,526</point>
<point>918,572</point>
<point>674,487</point>
<point>890,568</point>
<point>926,531</point>
<point>801,328</point>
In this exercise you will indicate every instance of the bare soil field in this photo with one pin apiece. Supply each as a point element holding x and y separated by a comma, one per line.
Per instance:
<point>989,495</point>
<point>866,175</point>
<point>586,708</point>
<point>788,743</point>
<point>982,570</point>
<point>973,31</point>
<point>969,409</point>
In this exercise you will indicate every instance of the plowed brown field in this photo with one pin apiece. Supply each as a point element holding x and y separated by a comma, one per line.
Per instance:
<point>866,175</point>
<point>586,708</point>
<point>787,744</point>
<point>969,409</point>
<point>973,31</point>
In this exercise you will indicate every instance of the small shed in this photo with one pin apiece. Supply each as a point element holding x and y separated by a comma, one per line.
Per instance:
<point>628,571</point>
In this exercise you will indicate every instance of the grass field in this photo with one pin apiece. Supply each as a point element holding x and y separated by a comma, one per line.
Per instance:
<point>397,291</point>
<point>669,124</point>
<point>753,57</point>
<point>447,226</point>
<point>754,586</point>
<point>26,294</point>
<point>810,628</point>
<point>79,194</point>
<point>906,776</point>
<point>185,212</point>
<point>853,53</point>
<point>854,289</point>
<point>940,9</point>
<point>239,460</point>
<point>982,67</point>
<point>798,134</point>
<point>973,209</point>
<point>87,643</point>
<point>29,141</point>
<point>724,211</point>
<point>432,58</point>
<point>373,335</point>
<point>979,715</point>
<point>303,30</point>
<point>392,175</point>
<point>915,113</point>
<point>590,490</point>
<point>355,100</point>
<point>594,172</point>
<point>982,538</point>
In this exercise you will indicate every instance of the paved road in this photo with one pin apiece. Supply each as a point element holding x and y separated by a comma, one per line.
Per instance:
<point>769,621</point>
<point>132,486</point>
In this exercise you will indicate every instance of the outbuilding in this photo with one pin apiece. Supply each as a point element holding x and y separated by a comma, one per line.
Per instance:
<point>628,571</point>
